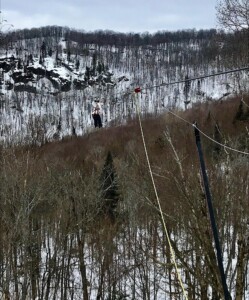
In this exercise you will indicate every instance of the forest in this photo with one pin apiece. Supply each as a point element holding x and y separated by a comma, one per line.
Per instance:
<point>51,75</point>
<point>79,215</point>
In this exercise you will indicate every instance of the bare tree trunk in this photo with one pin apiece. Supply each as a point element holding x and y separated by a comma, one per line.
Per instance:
<point>14,259</point>
<point>241,265</point>
<point>102,276</point>
<point>82,266</point>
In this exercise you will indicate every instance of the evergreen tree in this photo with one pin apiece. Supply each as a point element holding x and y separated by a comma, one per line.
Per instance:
<point>94,62</point>
<point>218,138</point>
<point>199,88</point>
<point>68,55</point>
<point>100,68</point>
<point>109,188</point>
<point>240,116</point>
<point>87,73</point>
<point>186,87</point>
<point>246,114</point>
<point>43,50</point>
<point>77,64</point>
<point>31,58</point>
<point>19,63</point>
<point>50,52</point>
<point>57,54</point>
<point>243,111</point>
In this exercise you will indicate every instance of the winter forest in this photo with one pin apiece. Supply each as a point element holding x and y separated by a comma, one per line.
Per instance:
<point>120,212</point>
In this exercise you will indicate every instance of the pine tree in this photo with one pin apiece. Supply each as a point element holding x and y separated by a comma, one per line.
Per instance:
<point>43,50</point>
<point>19,63</point>
<point>77,64</point>
<point>87,73</point>
<point>109,188</point>
<point>94,62</point>
<point>68,55</point>
<point>218,138</point>
<point>186,88</point>
<point>240,112</point>
<point>100,68</point>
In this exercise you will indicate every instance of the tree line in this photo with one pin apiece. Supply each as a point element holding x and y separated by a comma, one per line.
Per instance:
<point>108,37</point>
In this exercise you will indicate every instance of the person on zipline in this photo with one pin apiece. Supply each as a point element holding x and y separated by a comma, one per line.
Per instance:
<point>96,113</point>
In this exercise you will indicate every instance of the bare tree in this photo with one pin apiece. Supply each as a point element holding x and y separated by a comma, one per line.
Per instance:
<point>233,14</point>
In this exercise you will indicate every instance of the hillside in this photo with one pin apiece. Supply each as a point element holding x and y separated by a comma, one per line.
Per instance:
<point>51,75</point>
<point>79,214</point>
<point>63,237</point>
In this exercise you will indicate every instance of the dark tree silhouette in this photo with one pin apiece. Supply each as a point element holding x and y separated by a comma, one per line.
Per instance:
<point>77,64</point>
<point>187,87</point>
<point>218,138</point>
<point>109,188</point>
<point>240,112</point>
<point>43,50</point>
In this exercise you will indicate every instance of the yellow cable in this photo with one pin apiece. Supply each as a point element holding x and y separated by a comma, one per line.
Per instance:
<point>158,201</point>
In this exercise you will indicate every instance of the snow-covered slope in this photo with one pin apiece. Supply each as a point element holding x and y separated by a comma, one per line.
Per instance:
<point>47,86</point>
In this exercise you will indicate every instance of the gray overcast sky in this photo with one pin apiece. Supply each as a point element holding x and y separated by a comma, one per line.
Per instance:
<point>116,15</point>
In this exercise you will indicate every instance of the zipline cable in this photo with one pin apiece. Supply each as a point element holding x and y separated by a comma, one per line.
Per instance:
<point>197,78</point>
<point>208,137</point>
<point>138,90</point>
<point>224,146</point>
<point>184,80</point>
